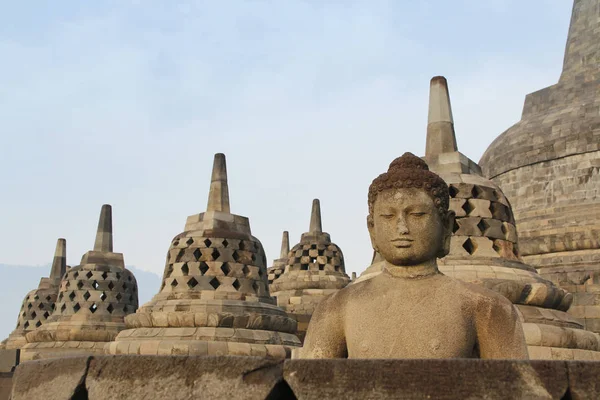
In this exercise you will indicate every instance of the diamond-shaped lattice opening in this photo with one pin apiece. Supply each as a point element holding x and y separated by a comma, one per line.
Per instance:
<point>260,272</point>
<point>76,275</point>
<point>185,270</point>
<point>255,286</point>
<point>197,254</point>
<point>225,243</point>
<point>118,274</point>
<point>36,297</point>
<point>68,284</point>
<point>313,246</point>
<point>470,246</point>
<point>48,298</point>
<point>131,299</point>
<point>111,285</point>
<point>496,247</point>
<point>235,255</point>
<point>321,267</point>
<point>125,308</point>
<point>38,324</point>
<point>321,252</point>
<point>41,306</point>
<point>214,282</point>
<point>26,324</point>
<point>119,296</point>
<point>304,267</point>
<point>453,191</point>
<point>104,275</point>
<point>483,225</point>
<point>203,268</point>
<point>72,296</point>
<point>476,191</point>
<point>207,242</point>
<point>129,278</point>
<point>76,307</point>
<point>242,245</point>
<point>246,270</point>
<point>215,254</point>
<point>93,308</point>
<point>89,274</point>
<point>236,284</point>
<point>174,283</point>
<point>110,308</point>
<point>456,227</point>
<point>79,284</point>
<point>189,242</point>
<point>95,285</point>
<point>253,257</point>
<point>63,308</point>
<point>86,295</point>
<point>496,194</point>
<point>29,305</point>
<point>124,286</point>
<point>33,314</point>
<point>192,283</point>
<point>176,243</point>
<point>46,314</point>
<point>468,207</point>
<point>103,296</point>
<point>313,260</point>
<point>226,269</point>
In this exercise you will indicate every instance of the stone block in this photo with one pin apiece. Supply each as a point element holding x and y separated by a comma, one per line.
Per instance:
<point>425,379</point>
<point>9,359</point>
<point>56,379</point>
<point>175,377</point>
<point>584,380</point>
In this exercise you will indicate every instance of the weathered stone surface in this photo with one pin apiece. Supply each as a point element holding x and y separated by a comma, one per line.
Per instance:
<point>9,359</point>
<point>55,379</point>
<point>147,377</point>
<point>425,379</point>
<point>159,377</point>
<point>5,385</point>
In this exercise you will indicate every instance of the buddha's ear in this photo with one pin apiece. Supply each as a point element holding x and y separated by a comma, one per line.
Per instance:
<point>448,222</point>
<point>371,227</point>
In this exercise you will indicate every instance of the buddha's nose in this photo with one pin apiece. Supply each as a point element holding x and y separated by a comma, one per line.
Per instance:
<point>402,226</point>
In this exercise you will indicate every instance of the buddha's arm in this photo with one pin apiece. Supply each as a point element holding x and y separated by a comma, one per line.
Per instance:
<point>325,336</point>
<point>499,331</point>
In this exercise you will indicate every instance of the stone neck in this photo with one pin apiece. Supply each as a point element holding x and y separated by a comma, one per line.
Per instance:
<point>425,270</point>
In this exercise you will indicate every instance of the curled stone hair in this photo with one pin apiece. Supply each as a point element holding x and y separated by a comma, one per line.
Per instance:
<point>409,171</point>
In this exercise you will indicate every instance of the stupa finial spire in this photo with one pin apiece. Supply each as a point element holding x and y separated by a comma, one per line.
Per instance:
<point>285,245</point>
<point>218,197</point>
<point>59,264</point>
<point>315,217</point>
<point>582,52</point>
<point>104,237</point>
<point>440,124</point>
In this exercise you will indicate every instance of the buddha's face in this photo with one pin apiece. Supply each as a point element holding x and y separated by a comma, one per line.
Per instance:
<point>407,229</point>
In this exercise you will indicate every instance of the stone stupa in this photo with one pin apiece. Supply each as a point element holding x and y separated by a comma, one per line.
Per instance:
<point>314,270</point>
<point>39,304</point>
<point>214,298</point>
<point>94,298</point>
<point>274,271</point>
<point>548,164</point>
<point>484,246</point>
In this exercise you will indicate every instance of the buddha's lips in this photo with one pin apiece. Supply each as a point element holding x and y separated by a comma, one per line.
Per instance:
<point>402,242</point>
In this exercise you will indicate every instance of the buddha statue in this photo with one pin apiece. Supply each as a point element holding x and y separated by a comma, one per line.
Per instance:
<point>411,309</point>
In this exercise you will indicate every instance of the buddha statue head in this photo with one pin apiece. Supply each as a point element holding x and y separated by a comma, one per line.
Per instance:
<point>409,221</point>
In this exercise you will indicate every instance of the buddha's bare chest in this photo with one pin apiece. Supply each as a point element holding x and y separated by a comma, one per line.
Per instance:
<point>407,327</point>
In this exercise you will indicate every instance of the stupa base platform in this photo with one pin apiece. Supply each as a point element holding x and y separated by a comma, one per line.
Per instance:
<point>180,377</point>
<point>45,350</point>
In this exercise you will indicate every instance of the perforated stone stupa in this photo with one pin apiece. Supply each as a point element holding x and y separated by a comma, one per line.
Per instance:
<point>548,164</point>
<point>484,246</point>
<point>38,305</point>
<point>93,299</point>
<point>314,270</point>
<point>279,264</point>
<point>214,298</point>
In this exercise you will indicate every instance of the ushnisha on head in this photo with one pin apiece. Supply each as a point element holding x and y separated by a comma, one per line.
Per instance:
<point>409,221</point>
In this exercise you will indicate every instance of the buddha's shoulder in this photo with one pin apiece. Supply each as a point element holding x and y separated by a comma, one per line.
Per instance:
<point>479,295</point>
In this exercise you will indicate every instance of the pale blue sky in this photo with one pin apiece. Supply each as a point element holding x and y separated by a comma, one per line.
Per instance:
<point>125,102</point>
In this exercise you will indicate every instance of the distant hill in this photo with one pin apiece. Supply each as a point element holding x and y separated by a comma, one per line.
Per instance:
<point>20,279</point>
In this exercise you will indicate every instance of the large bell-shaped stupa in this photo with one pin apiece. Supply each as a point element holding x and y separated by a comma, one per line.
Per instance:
<point>214,298</point>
